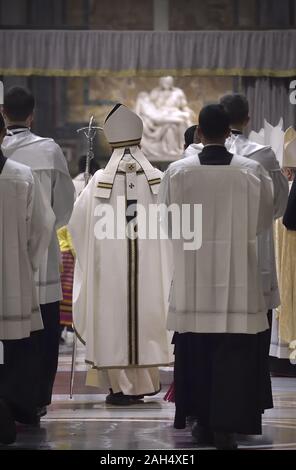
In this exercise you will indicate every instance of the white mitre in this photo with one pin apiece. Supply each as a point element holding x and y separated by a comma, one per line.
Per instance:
<point>289,157</point>
<point>274,137</point>
<point>269,129</point>
<point>257,137</point>
<point>123,127</point>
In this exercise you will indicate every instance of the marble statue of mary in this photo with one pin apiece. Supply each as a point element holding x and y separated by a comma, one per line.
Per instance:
<point>166,116</point>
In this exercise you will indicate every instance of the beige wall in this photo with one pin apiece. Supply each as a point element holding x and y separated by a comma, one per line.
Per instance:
<point>199,91</point>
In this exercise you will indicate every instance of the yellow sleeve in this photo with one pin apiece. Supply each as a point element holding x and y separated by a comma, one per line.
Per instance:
<point>70,243</point>
<point>65,240</point>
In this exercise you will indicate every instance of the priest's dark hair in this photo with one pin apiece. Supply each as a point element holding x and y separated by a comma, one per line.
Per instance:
<point>213,121</point>
<point>237,107</point>
<point>18,104</point>
<point>189,135</point>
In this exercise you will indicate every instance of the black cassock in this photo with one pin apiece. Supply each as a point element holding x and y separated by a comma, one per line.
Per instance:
<point>222,379</point>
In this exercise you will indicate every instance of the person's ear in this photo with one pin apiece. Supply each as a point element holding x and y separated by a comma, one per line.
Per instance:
<point>30,119</point>
<point>199,133</point>
<point>196,139</point>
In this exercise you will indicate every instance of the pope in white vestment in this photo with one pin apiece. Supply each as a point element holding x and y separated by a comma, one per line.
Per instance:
<point>121,282</point>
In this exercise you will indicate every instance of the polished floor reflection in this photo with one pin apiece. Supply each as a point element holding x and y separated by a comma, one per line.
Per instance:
<point>86,422</point>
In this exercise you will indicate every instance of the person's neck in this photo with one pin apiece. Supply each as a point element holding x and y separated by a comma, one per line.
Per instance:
<point>213,142</point>
<point>17,123</point>
<point>237,127</point>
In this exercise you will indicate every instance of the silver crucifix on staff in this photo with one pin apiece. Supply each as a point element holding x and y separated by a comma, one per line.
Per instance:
<point>90,133</point>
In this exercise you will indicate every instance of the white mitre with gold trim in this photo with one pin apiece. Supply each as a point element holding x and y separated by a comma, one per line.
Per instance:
<point>123,129</point>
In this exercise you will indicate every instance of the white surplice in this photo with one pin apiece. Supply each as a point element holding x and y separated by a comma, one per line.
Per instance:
<point>79,183</point>
<point>47,161</point>
<point>240,145</point>
<point>121,286</point>
<point>217,289</point>
<point>27,221</point>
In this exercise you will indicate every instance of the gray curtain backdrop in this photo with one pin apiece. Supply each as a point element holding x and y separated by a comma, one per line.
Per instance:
<point>266,60</point>
<point>131,53</point>
<point>269,98</point>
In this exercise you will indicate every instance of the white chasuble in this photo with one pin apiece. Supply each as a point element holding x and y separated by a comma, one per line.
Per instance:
<point>121,283</point>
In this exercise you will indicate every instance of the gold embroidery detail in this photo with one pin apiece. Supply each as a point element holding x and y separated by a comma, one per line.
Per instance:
<point>105,185</point>
<point>155,181</point>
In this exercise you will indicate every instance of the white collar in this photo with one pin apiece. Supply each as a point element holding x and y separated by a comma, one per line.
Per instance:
<point>214,145</point>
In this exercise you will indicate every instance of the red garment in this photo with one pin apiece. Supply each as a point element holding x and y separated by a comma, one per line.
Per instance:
<point>67,286</point>
<point>170,395</point>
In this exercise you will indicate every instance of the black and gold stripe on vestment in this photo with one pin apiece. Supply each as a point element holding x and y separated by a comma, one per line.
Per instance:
<point>154,181</point>
<point>125,143</point>
<point>132,307</point>
<point>133,334</point>
<point>139,172</point>
<point>104,185</point>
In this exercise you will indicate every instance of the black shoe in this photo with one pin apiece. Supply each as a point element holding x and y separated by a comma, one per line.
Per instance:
<point>41,411</point>
<point>202,435</point>
<point>190,420</point>
<point>118,399</point>
<point>7,425</point>
<point>225,441</point>
<point>135,398</point>
<point>27,418</point>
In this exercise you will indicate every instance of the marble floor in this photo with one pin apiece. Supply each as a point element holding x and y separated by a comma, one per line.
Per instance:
<point>86,422</point>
